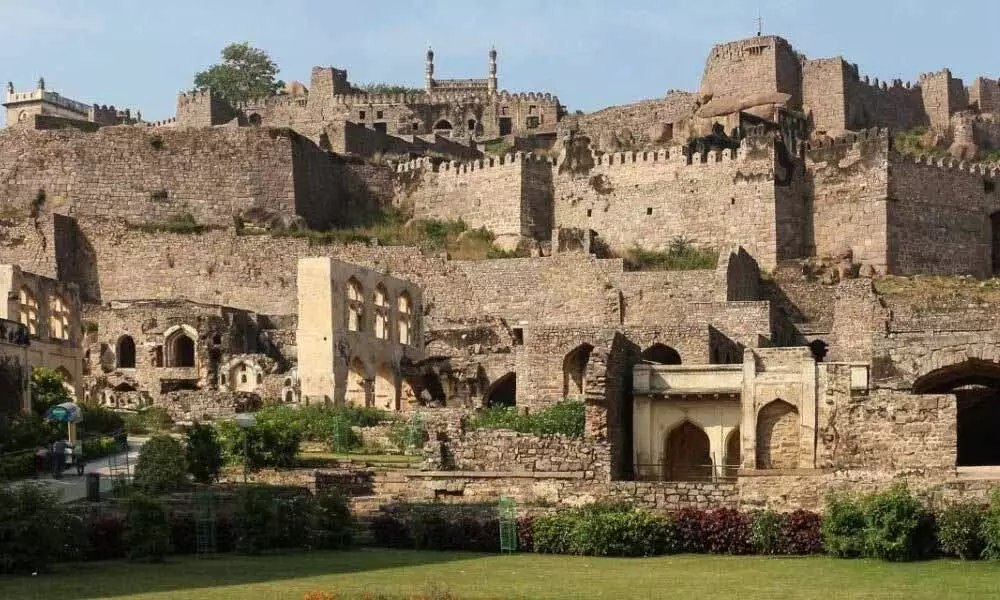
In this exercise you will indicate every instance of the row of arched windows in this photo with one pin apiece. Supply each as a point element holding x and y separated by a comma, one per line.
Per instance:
<point>179,351</point>
<point>59,314</point>
<point>382,309</point>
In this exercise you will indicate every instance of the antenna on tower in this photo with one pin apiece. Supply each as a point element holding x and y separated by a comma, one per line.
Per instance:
<point>760,23</point>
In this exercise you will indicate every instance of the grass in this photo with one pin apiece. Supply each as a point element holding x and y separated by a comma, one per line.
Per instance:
<point>400,574</point>
<point>682,255</point>
<point>322,459</point>
<point>932,292</point>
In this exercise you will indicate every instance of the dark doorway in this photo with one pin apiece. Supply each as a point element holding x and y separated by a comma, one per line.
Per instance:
<point>181,352</point>
<point>442,124</point>
<point>380,127</point>
<point>503,392</point>
<point>661,354</point>
<point>976,385</point>
<point>126,352</point>
<point>506,126</point>
<point>995,242</point>
<point>686,453</point>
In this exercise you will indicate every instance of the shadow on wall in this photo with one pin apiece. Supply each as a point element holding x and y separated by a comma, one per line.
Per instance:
<point>76,260</point>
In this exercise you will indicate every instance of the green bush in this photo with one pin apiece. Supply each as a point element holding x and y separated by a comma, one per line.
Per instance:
<point>147,529</point>
<point>47,390</point>
<point>332,524</point>
<point>149,420</point>
<point>17,466</point>
<point>99,447</point>
<point>162,466</point>
<point>341,437</point>
<point>682,255</point>
<point>204,453</point>
<point>604,530</point>
<point>567,417</point>
<point>273,441</point>
<point>960,530</point>
<point>892,524</point>
<point>765,532</point>
<point>991,529</point>
<point>843,527</point>
<point>30,528</point>
<point>97,420</point>
<point>256,520</point>
<point>26,432</point>
<point>553,534</point>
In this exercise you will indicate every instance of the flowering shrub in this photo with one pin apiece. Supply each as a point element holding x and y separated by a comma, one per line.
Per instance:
<point>689,527</point>
<point>727,531</point>
<point>800,533</point>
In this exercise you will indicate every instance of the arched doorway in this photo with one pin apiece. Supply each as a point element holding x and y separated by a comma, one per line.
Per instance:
<point>976,386</point>
<point>778,436</point>
<point>356,384</point>
<point>502,392</point>
<point>575,370</point>
<point>687,454</point>
<point>385,388</point>
<point>126,352</point>
<point>661,354</point>
<point>180,349</point>
<point>443,124</point>
<point>733,453</point>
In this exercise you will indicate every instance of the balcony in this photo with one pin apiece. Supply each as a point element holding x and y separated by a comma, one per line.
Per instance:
<point>687,379</point>
<point>12,332</point>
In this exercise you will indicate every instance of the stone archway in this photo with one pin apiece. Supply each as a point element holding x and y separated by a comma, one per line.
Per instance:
<point>385,389</point>
<point>734,454</point>
<point>976,386</point>
<point>502,392</point>
<point>687,454</point>
<point>575,370</point>
<point>778,436</point>
<point>357,385</point>
<point>661,354</point>
<point>179,347</point>
<point>125,352</point>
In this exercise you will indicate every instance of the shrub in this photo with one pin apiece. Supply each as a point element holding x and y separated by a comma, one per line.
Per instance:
<point>332,524</point>
<point>99,447</point>
<point>273,441</point>
<point>152,419</point>
<point>204,453</point>
<point>256,521</point>
<point>17,466</point>
<point>991,528</point>
<point>26,432</point>
<point>525,537</point>
<point>765,533</point>
<point>563,418</point>
<point>147,530</point>
<point>843,529</point>
<point>622,533</point>
<point>892,524</point>
<point>682,255</point>
<point>162,466</point>
<point>727,531</point>
<point>31,533</point>
<point>105,538</point>
<point>98,420</point>
<point>800,533</point>
<point>553,534</point>
<point>689,527</point>
<point>389,531</point>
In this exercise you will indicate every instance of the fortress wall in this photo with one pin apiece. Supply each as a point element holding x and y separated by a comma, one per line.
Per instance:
<point>564,289</point>
<point>753,66</point>
<point>507,195</point>
<point>985,131</point>
<point>644,122</point>
<point>650,198</point>
<point>942,96</point>
<point>870,103</point>
<point>144,175</point>
<point>823,93</point>
<point>939,217</point>
<point>984,94</point>
<point>848,182</point>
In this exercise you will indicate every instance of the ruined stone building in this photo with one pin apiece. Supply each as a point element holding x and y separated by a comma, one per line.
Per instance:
<point>816,353</point>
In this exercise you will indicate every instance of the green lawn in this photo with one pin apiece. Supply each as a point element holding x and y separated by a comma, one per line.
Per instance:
<point>398,574</point>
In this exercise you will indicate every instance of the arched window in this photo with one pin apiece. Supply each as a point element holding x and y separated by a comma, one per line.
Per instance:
<point>58,318</point>
<point>405,310</point>
<point>575,370</point>
<point>29,311</point>
<point>442,124</point>
<point>661,354</point>
<point>502,392</point>
<point>381,313</point>
<point>180,349</point>
<point>126,352</point>
<point>355,304</point>
<point>778,436</point>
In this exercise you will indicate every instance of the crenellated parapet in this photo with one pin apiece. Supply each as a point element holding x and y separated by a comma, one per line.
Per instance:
<point>459,168</point>
<point>445,98</point>
<point>987,171</point>
<point>850,139</point>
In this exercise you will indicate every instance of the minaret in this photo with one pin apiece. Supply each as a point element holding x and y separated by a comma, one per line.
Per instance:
<point>492,82</point>
<point>429,70</point>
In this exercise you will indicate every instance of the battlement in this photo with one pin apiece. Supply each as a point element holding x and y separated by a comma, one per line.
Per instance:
<point>169,122</point>
<point>988,171</point>
<point>445,98</point>
<point>739,48</point>
<point>456,167</point>
<point>850,139</point>
<point>197,97</point>
<point>943,73</point>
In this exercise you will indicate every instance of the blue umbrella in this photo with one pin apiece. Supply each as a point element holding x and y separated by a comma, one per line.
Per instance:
<point>67,412</point>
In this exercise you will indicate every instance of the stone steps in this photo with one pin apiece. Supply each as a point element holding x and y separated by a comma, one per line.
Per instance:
<point>988,473</point>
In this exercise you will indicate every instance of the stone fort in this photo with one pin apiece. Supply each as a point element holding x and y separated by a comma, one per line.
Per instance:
<point>845,337</point>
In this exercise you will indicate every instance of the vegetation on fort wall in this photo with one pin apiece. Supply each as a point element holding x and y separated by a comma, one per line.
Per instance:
<point>183,223</point>
<point>563,418</point>
<point>921,141</point>
<point>394,228</point>
<point>681,255</point>
<point>498,147</point>
<point>383,88</point>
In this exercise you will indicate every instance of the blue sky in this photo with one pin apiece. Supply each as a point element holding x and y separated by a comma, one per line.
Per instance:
<point>592,54</point>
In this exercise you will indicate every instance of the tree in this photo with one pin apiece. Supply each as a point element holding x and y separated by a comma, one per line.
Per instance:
<point>162,466</point>
<point>246,73</point>
<point>47,389</point>
<point>204,453</point>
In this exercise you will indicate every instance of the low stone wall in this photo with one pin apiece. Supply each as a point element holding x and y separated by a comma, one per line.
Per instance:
<point>505,451</point>
<point>208,405</point>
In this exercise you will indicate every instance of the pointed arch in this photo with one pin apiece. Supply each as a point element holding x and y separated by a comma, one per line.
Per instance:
<point>357,384</point>
<point>686,453</point>
<point>734,453</point>
<point>661,354</point>
<point>385,388</point>
<point>502,392</point>
<point>125,352</point>
<point>575,370</point>
<point>355,304</point>
<point>404,317</point>
<point>28,309</point>
<point>381,312</point>
<point>179,346</point>
<point>778,436</point>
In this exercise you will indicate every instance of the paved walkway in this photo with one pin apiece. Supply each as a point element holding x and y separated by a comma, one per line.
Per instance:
<point>74,487</point>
